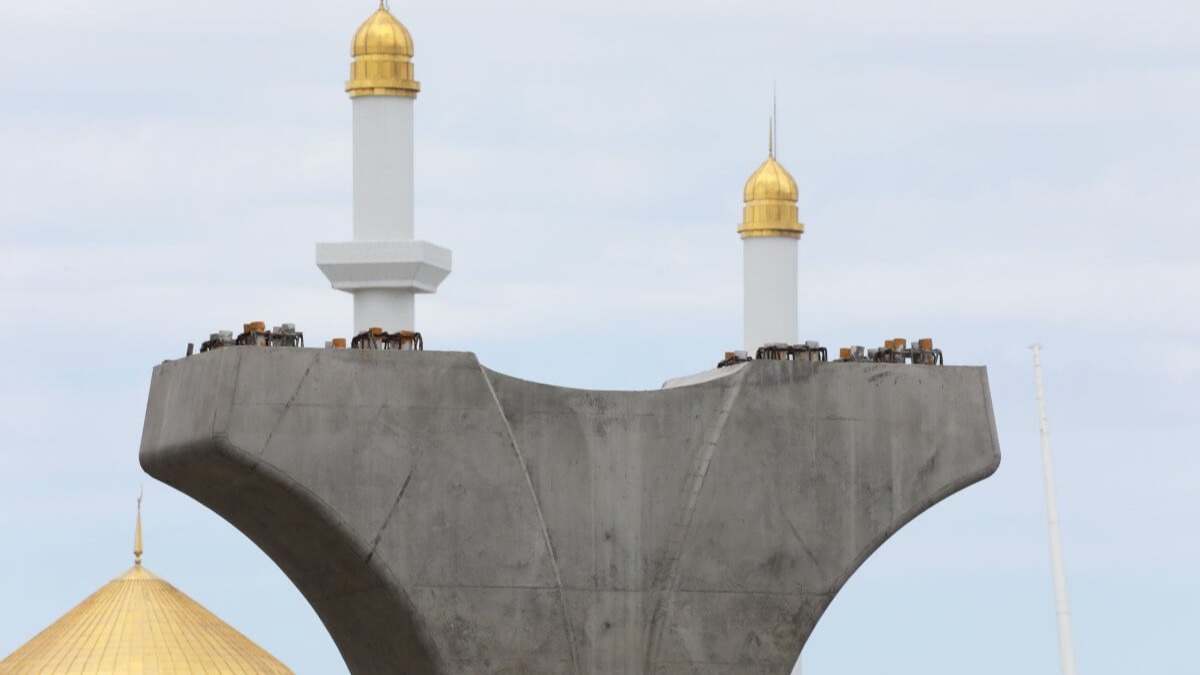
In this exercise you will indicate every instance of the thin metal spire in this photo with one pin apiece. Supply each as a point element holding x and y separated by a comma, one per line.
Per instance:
<point>137,536</point>
<point>1066,644</point>
<point>774,117</point>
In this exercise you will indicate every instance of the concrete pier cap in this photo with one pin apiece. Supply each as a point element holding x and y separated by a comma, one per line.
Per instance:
<point>445,518</point>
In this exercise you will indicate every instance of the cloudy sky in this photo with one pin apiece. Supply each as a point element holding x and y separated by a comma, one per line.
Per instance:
<point>985,173</point>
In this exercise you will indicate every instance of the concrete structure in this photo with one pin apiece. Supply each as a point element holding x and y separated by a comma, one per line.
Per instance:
<point>770,231</point>
<point>384,267</point>
<point>444,518</point>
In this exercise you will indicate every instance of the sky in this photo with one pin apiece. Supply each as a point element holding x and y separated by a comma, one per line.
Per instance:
<point>986,174</point>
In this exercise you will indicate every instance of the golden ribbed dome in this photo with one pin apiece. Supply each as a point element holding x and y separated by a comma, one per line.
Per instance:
<point>382,51</point>
<point>382,35</point>
<point>771,195</point>
<point>771,181</point>
<point>138,624</point>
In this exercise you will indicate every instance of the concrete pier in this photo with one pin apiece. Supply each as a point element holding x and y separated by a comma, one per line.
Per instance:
<point>444,518</point>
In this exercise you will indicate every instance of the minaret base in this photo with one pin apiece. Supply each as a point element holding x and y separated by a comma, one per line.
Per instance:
<point>384,276</point>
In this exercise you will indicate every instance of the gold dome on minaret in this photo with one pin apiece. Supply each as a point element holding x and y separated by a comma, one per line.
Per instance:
<point>138,624</point>
<point>382,51</point>
<point>771,195</point>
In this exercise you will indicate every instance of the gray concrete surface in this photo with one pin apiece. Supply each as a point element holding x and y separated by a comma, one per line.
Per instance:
<point>445,518</point>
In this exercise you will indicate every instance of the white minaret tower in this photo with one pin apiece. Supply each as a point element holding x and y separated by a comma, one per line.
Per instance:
<point>770,230</point>
<point>384,266</point>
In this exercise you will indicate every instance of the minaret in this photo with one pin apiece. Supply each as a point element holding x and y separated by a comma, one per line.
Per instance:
<point>770,230</point>
<point>384,266</point>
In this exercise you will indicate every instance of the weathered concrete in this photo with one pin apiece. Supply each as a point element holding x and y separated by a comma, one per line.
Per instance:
<point>444,518</point>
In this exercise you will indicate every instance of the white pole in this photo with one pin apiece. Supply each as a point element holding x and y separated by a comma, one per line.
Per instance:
<point>1066,645</point>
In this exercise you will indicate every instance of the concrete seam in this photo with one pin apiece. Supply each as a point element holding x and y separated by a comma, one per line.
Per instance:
<point>391,512</point>
<point>287,406</point>
<point>780,490</point>
<point>537,505</point>
<point>221,423</point>
<point>218,418</point>
<point>796,533</point>
<point>897,481</point>
<point>689,498</point>
<point>696,591</point>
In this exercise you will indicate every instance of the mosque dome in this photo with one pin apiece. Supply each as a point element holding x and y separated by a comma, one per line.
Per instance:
<point>771,195</point>
<point>382,51</point>
<point>138,624</point>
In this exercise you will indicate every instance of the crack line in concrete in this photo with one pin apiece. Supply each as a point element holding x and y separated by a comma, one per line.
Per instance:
<point>221,436</point>
<point>668,576</point>
<point>287,406</point>
<point>391,512</point>
<point>796,534</point>
<point>537,505</point>
<point>237,379</point>
<point>780,490</point>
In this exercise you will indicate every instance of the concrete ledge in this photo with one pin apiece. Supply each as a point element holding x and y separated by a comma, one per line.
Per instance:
<point>445,518</point>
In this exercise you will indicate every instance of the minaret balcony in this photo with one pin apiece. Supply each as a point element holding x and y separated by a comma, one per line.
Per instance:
<point>354,265</point>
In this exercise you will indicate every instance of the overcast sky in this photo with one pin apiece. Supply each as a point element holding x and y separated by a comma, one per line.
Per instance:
<point>985,173</point>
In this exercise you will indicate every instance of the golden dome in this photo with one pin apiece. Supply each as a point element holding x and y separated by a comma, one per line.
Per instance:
<point>771,195</point>
<point>139,624</point>
<point>771,181</point>
<point>382,51</point>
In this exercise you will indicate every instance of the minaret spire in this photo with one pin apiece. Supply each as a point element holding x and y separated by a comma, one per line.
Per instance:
<point>774,120</point>
<point>137,535</point>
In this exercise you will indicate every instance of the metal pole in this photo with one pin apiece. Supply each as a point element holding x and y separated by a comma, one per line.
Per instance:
<point>1066,645</point>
